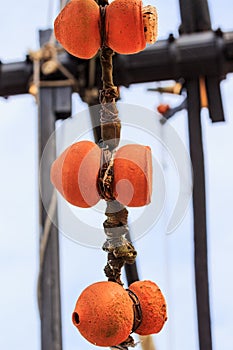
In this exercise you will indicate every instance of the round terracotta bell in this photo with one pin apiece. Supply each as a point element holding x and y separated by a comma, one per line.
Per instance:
<point>133,175</point>
<point>129,26</point>
<point>75,172</point>
<point>104,314</point>
<point>124,26</point>
<point>77,28</point>
<point>153,306</point>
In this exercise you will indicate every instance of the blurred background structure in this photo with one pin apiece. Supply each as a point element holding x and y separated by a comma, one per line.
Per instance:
<point>198,54</point>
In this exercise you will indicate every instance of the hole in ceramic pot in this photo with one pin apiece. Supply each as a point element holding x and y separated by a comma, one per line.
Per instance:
<point>75,318</point>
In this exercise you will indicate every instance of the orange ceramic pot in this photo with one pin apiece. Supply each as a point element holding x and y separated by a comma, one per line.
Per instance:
<point>75,172</point>
<point>104,314</point>
<point>133,175</point>
<point>128,27</point>
<point>124,26</point>
<point>77,28</point>
<point>153,306</point>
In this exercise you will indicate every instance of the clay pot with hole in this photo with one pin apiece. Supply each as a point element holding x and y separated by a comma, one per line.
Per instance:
<point>105,312</point>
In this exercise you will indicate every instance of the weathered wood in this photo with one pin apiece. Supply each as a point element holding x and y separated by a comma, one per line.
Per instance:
<point>51,334</point>
<point>196,18</point>
<point>199,216</point>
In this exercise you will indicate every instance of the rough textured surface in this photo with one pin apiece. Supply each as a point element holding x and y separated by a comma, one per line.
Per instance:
<point>153,305</point>
<point>104,314</point>
<point>124,26</point>
<point>77,28</point>
<point>150,23</point>
<point>74,174</point>
<point>133,175</point>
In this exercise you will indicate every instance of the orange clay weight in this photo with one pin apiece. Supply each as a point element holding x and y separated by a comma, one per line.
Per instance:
<point>128,27</point>
<point>124,26</point>
<point>74,174</point>
<point>153,306</point>
<point>104,314</point>
<point>133,175</point>
<point>77,28</point>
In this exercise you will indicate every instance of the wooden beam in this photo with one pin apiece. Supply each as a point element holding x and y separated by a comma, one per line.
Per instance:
<point>49,287</point>
<point>198,11</point>
<point>195,16</point>
<point>199,216</point>
<point>166,60</point>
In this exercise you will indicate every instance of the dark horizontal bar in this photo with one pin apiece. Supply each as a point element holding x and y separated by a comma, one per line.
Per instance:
<point>189,56</point>
<point>14,78</point>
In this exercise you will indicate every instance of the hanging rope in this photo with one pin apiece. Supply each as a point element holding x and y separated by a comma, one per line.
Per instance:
<point>119,249</point>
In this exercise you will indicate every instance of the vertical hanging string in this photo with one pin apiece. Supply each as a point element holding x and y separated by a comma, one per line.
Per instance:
<point>119,249</point>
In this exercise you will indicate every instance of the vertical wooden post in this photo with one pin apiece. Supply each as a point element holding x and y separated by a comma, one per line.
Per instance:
<point>199,216</point>
<point>50,306</point>
<point>54,103</point>
<point>196,18</point>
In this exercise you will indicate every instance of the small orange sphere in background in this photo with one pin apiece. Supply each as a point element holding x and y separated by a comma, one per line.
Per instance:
<point>104,314</point>
<point>163,108</point>
<point>153,306</point>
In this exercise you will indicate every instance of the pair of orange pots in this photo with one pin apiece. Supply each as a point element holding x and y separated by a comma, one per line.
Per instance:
<point>75,173</point>
<point>104,312</point>
<point>78,27</point>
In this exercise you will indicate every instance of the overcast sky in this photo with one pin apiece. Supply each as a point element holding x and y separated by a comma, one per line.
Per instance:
<point>168,260</point>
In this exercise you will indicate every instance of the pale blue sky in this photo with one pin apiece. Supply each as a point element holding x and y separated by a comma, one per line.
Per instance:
<point>168,260</point>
